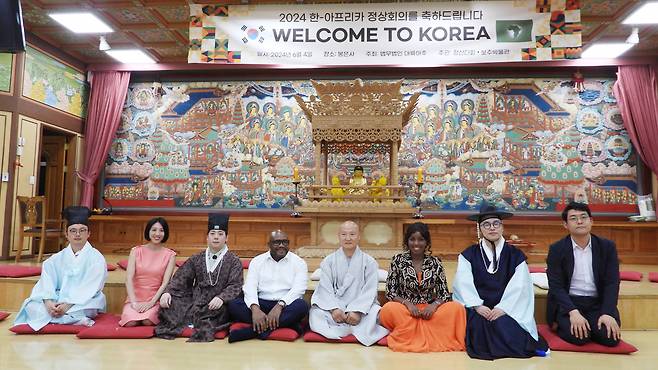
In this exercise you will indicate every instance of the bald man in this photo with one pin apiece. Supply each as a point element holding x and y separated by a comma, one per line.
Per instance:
<point>273,292</point>
<point>345,301</point>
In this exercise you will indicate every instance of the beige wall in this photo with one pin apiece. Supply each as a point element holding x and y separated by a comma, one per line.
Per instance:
<point>26,176</point>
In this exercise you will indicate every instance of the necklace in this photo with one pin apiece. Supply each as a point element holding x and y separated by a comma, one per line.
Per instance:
<point>495,261</point>
<point>218,271</point>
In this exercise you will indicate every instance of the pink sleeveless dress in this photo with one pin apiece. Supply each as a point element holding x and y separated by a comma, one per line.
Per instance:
<point>150,267</point>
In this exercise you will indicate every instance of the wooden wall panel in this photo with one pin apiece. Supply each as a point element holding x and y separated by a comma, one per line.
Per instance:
<point>26,175</point>
<point>187,234</point>
<point>5,133</point>
<point>636,242</point>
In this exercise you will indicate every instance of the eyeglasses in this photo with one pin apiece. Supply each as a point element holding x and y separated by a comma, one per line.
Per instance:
<point>581,218</point>
<point>491,225</point>
<point>282,242</point>
<point>78,231</point>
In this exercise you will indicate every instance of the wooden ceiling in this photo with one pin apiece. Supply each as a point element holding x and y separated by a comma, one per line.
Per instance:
<point>161,26</point>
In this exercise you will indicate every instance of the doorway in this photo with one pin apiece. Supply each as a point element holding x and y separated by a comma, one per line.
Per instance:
<point>53,172</point>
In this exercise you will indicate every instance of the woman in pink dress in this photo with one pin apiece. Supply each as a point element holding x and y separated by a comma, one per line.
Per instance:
<point>150,267</point>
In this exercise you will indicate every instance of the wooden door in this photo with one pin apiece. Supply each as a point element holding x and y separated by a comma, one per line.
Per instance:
<point>53,169</point>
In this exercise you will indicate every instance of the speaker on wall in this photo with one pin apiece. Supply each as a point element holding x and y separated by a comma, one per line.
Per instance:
<point>12,36</point>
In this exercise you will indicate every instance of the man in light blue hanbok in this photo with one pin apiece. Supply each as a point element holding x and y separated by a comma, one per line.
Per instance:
<point>70,288</point>
<point>345,300</point>
<point>494,284</point>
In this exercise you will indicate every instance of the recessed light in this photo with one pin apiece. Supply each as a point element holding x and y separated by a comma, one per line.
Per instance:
<point>646,14</point>
<point>81,22</point>
<point>130,56</point>
<point>606,50</point>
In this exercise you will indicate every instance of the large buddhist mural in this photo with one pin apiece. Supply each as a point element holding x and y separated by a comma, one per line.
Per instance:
<point>525,144</point>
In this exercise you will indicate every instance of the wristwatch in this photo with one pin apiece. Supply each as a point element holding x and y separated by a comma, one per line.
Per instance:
<point>281,303</point>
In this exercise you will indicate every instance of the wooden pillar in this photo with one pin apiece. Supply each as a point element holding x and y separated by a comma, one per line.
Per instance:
<point>318,163</point>
<point>395,177</point>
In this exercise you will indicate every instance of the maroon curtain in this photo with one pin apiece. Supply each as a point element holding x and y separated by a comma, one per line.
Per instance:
<point>108,93</point>
<point>636,91</point>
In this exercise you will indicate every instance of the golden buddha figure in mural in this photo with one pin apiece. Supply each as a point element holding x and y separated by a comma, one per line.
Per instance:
<point>358,183</point>
<point>378,189</point>
<point>337,191</point>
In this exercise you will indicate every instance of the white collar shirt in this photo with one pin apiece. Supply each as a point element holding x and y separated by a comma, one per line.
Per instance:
<point>285,280</point>
<point>582,280</point>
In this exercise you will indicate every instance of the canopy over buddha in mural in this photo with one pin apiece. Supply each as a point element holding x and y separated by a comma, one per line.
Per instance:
<point>357,130</point>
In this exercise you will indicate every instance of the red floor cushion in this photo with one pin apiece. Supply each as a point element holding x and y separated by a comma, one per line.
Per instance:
<point>534,269</point>
<point>245,263</point>
<point>123,264</point>
<point>311,336</point>
<point>187,332</point>
<point>108,328</point>
<point>15,271</point>
<point>282,334</point>
<point>48,329</point>
<point>111,267</point>
<point>653,277</point>
<point>116,332</point>
<point>555,343</point>
<point>630,275</point>
<point>101,319</point>
<point>4,315</point>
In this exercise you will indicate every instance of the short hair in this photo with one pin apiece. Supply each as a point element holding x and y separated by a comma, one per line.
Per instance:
<point>153,221</point>
<point>576,206</point>
<point>417,227</point>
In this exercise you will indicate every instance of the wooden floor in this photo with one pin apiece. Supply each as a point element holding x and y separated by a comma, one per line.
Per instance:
<point>66,352</point>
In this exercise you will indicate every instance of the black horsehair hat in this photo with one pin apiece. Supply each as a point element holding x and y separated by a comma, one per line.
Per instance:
<point>218,221</point>
<point>488,211</point>
<point>76,215</point>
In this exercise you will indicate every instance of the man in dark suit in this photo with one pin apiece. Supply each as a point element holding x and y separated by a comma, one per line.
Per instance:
<point>583,282</point>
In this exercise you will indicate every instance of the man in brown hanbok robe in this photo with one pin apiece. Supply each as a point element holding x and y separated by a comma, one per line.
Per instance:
<point>199,291</point>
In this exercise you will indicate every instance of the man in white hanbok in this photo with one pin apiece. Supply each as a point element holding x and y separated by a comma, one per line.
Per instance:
<point>69,290</point>
<point>345,300</point>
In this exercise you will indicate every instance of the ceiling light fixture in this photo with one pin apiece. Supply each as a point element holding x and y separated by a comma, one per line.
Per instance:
<point>130,56</point>
<point>606,50</point>
<point>634,37</point>
<point>103,45</point>
<point>646,14</point>
<point>81,22</point>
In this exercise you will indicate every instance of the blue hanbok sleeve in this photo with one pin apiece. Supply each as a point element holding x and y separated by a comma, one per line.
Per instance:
<point>47,286</point>
<point>518,300</point>
<point>463,288</point>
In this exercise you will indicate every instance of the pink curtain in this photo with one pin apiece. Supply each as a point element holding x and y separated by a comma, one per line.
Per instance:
<point>636,91</point>
<point>108,93</point>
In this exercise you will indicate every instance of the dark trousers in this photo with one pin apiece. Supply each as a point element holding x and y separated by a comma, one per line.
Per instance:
<point>291,315</point>
<point>590,308</point>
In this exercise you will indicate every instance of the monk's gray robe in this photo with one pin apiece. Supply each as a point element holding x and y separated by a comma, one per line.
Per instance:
<point>349,284</point>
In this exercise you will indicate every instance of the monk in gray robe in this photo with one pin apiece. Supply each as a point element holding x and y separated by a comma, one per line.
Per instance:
<point>345,301</point>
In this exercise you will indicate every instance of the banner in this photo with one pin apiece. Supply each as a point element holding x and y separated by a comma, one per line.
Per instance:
<point>422,34</point>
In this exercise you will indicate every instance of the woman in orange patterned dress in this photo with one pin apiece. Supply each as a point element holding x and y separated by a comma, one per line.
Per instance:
<point>420,313</point>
